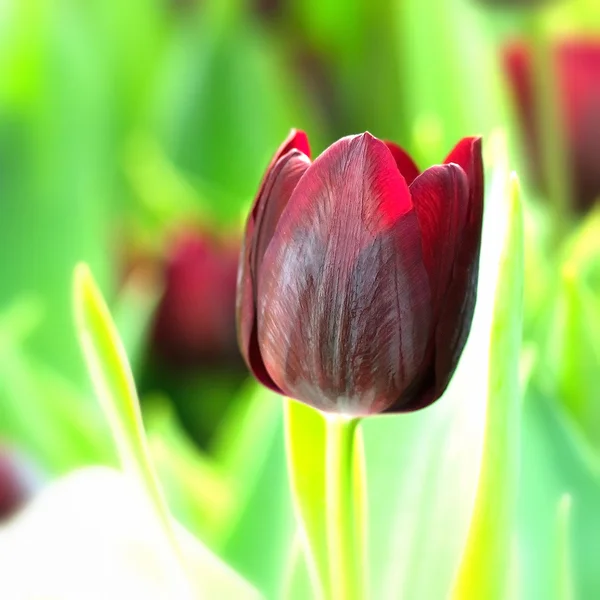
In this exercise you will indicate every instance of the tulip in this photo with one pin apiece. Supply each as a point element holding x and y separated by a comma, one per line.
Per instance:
<point>358,274</point>
<point>577,65</point>
<point>195,320</point>
<point>15,487</point>
<point>514,3</point>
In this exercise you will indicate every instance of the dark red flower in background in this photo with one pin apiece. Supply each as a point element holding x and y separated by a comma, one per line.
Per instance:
<point>577,64</point>
<point>513,3</point>
<point>358,274</point>
<point>15,489</point>
<point>195,320</point>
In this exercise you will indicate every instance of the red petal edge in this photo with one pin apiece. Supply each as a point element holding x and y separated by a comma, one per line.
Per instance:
<point>441,198</point>
<point>296,140</point>
<point>406,165</point>
<point>245,303</point>
<point>454,324</point>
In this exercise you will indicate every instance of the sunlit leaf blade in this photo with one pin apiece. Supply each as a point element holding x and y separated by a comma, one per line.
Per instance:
<point>552,463</point>
<point>199,492</point>
<point>564,583</point>
<point>577,365</point>
<point>114,385</point>
<point>297,583</point>
<point>305,438</point>
<point>41,411</point>
<point>484,567</point>
<point>133,312</point>
<point>48,418</point>
<point>249,447</point>
<point>113,381</point>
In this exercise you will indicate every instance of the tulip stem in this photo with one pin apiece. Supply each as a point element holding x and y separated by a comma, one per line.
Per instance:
<point>345,569</point>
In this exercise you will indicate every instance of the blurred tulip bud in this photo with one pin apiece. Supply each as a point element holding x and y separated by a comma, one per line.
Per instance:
<point>577,64</point>
<point>15,486</point>
<point>514,3</point>
<point>358,274</point>
<point>195,320</point>
<point>269,9</point>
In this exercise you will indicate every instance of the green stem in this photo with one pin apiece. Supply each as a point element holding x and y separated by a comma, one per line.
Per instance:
<point>342,536</point>
<point>550,125</point>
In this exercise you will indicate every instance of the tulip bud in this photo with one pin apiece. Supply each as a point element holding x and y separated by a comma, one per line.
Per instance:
<point>514,3</point>
<point>577,64</point>
<point>195,320</point>
<point>14,486</point>
<point>358,274</point>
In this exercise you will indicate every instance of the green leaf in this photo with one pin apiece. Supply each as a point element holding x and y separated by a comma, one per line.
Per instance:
<point>41,411</point>
<point>297,583</point>
<point>251,448</point>
<point>200,492</point>
<point>54,152</point>
<point>134,309</point>
<point>576,344</point>
<point>201,119</point>
<point>483,572</point>
<point>564,583</point>
<point>113,381</point>
<point>48,417</point>
<point>114,385</point>
<point>551,465</point>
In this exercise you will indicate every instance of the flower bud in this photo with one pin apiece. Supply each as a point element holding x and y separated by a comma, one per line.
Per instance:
<point>358,274</point>
<point>577,74</point>
<point>195,320</point>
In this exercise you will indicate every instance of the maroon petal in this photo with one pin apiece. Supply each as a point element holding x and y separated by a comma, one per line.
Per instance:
<point>194,321</point>
<point>578,70</point>
<point>454,322</point>
<point>343,301</point>
<point>518,69</point>
<point>296,140</point>
<point>278,189</point>
<point>441,198</point>
<point>467,154</point>
<point>245,299</point>
<point>406,165</point>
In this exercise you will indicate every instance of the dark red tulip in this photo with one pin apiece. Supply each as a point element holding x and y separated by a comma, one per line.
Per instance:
<point>15,489</point>
<point>514,3</point>
<point>195,320</point>
<point>577,64</point>
<point>358,274</point>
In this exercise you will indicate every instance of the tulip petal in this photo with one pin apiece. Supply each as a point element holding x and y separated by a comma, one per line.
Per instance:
<point>441,198</point>
<point>467,154</point>
<point>278,189</point>
<point>296,140</point>
<point>455,319</point>
<point>245,299</point>
<point>406,165</point>
<point>343,302</point>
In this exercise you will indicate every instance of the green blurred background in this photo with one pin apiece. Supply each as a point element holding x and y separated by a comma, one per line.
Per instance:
<point>133,136</point>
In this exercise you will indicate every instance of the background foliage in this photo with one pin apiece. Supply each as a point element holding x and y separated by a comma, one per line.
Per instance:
<point>124,124</point>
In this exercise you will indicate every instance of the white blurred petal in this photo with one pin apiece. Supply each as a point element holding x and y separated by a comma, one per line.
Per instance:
<point>93,535</point>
